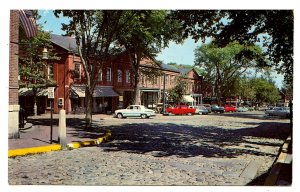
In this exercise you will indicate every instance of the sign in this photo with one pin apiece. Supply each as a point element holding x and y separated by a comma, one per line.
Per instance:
<point>51,92</point>
<point>120,98</point>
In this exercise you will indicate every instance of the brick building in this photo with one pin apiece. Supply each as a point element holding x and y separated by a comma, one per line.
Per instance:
<point>114,87</point>
<point>23,18</point>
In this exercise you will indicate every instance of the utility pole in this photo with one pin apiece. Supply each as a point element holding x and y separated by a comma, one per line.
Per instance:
<point>164,95</point>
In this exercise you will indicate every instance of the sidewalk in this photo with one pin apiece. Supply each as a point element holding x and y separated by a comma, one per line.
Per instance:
<point>39,133</point>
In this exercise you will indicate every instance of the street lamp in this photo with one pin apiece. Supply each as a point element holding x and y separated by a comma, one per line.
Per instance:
<point>45,53</point>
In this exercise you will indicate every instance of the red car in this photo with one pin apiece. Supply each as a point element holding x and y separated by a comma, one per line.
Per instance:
<point>181,110</point>
<point>229,108</point>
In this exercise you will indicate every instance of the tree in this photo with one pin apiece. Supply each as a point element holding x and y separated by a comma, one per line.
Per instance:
<point>32,65</point>
<point>223,66</point>
<point>95,32</point>
<point>176,93</point>
<point>145,35</point>
<point>273,29</point>
<point>265,91</point>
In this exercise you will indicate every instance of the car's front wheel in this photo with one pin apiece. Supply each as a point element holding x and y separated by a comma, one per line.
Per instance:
<point>143,116</point>
<point>119,115</point>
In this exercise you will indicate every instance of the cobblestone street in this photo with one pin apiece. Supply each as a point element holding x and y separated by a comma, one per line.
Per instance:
<point>215,149</point>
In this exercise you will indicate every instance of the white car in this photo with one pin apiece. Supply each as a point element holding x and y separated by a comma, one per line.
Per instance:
<point>134,111</point>
<point>242,109</point>
<point>279,111</point>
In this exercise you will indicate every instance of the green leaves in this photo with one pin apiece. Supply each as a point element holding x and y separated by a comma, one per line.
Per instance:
<point>177,92</point>
<point>32,67</point>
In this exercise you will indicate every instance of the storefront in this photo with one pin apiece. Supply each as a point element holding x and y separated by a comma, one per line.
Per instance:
<point>105,99</point>
<point>149,97</point>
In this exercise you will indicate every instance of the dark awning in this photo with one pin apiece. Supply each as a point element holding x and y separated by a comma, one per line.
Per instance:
<point>100,91</point>
<point>29,92</point>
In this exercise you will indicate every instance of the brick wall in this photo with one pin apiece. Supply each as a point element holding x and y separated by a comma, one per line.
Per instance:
<point>13,57</point>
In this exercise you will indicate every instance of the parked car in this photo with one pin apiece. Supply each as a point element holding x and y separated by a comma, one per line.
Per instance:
<point>242,109</point>
<point>208,107</point>
<point>200,109</point>
<point>229,108</point>
<point>181,110</point>
<point>278,111</point>
<point>249,108</point>
<point>134,111</point>
<point>216,109</point>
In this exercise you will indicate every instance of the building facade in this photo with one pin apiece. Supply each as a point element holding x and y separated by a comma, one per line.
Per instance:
<point>114,87</point>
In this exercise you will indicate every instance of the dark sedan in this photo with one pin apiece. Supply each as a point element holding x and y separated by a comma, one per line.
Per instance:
<point>217,109</point>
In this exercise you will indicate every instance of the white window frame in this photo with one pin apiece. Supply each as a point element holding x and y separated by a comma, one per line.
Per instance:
<point>49,74</point>
<point>79,70</point>
<point>100,75</point>
<point>128,78</point>
<point>108,74</point>
<point>119,75</point>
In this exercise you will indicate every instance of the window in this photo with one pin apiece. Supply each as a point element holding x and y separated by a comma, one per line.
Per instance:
<point>77,71</point>
<point>108,74</point>
<point>50,71</point>
<point>100,75</point>
<point>127,76</point>
<point>168,79</point>
<point>119,75</point>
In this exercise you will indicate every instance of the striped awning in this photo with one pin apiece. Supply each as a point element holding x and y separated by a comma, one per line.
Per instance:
<point>29,92</point>
<point>99,91</point>
<point>28,22</point>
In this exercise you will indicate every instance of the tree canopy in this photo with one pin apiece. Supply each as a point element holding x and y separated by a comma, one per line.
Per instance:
<point>147,32</point>
<point>272,29</point>
<point>222,66</point>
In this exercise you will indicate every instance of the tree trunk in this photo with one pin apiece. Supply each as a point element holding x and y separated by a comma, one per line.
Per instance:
<point>88,109</point>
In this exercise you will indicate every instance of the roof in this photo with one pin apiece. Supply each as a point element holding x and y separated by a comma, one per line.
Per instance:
<point>99,91</point>
<point>169,68</point>
<point>184,71</point>
<point>65,42</point>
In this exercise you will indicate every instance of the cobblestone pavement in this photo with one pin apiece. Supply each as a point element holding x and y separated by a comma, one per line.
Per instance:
<point>174,150</point>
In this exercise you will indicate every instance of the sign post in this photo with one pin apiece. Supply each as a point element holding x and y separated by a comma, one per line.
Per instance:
<point>51,97</point>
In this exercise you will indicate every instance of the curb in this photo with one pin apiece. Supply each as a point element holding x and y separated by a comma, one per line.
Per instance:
<point>283,158</point>
<point>74,145</point>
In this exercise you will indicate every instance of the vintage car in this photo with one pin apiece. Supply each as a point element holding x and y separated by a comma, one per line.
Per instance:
<point>217,109</point>
<point>242,109</point>
<point>181,110</point>
<point>278,111</point>
<point>134,111</point>
<point>200,109</point>
<point>229,108</point>
<point>208,107</point>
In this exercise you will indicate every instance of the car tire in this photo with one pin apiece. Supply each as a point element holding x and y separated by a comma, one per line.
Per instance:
<point>143,116</point>
<point>119,115</point>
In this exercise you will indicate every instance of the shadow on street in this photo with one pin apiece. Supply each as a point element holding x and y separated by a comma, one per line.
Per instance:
<point>188,141</point>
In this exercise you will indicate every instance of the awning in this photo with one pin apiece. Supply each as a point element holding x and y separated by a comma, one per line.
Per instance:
<point>149,90</point>
<point>29,92</point>
<point>188,98</point>
<point>28,23</point>
<point>99,91</point>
